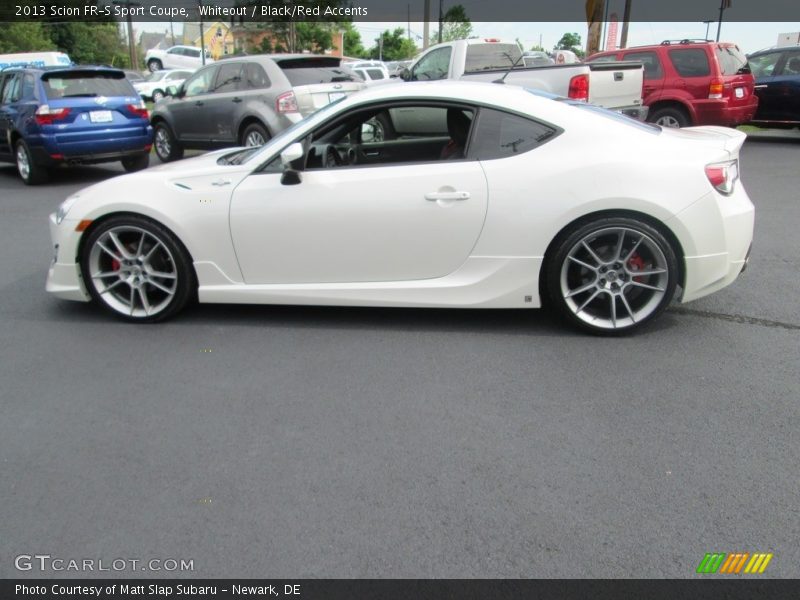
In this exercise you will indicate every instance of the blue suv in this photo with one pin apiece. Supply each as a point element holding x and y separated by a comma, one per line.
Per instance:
<point>74,115</point>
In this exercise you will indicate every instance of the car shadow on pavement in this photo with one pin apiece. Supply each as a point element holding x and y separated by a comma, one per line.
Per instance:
<point>82,174</point>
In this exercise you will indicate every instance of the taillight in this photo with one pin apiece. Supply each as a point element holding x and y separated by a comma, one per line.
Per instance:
<point>579,87</point>
<point>45,115</point>
<point>286,103</point>
<point>715,89</point>
<point>723,176</point>
<point>138,110</point>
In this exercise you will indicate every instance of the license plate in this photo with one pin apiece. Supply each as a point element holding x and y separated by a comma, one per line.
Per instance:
<point>101,116</point>
<point>334,96</point>
<point>739,92</point>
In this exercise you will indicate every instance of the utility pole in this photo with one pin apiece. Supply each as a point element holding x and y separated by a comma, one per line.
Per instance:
<point>408,6</point>
<point>426,25</point>
<point>722,6</point>
<point>441,20</point>
<point>131,42</point>
<point>202,35</point>
<point>626,18</point>
<point>708,26</point>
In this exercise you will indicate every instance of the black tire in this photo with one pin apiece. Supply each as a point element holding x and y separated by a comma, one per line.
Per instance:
<point>167,147</point>
<point>158,95</point>
<point>252,131</point>
<point>136,163</point>
<point>30,172</point>
<point>154,65</point>
<point>130,280</point>
<point>606,296</point>
<point>669,116</point>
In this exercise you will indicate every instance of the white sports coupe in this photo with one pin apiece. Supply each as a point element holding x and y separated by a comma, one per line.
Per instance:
<point>440,194</point>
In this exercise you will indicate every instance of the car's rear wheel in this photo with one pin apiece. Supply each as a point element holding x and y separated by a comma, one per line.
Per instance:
<point>158,95</point>
<point>167,146</point>
<point>136,269</point>
<point>669,117</point>
<point>30,172</point>
<point>611,275</point>
<point>255,134</point>
<point>136,163</point>
<point>154,65</point>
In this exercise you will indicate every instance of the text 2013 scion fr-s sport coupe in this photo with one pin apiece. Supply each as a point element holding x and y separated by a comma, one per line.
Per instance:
<point>441,194</point>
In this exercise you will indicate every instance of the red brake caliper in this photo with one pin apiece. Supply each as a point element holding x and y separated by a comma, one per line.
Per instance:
<point>636,263</point>
<point>114,264</point>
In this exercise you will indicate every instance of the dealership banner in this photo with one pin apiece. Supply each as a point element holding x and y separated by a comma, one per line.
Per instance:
<point>397,589</point>
<point>243,11</point>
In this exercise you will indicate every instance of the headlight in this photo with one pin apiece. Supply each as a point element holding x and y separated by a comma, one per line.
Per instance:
<point>64,207</point>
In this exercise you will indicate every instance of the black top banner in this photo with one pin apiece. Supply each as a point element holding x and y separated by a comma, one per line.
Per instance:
<point>243,11</point>
<point>400,589</point>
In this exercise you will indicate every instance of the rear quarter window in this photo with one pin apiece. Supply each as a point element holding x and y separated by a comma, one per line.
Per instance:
<point>500,134</point>
<point>87,84</point>
<point>690,62</point>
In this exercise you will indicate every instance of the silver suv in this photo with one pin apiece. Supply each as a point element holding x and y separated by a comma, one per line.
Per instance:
<point>246,100</point>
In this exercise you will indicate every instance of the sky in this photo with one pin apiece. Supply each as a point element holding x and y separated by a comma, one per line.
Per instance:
<point>749,36</point>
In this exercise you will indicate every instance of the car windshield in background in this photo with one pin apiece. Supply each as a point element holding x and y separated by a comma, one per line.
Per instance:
<point>732,61</point>
<point>86,84</point>
<point>157,76</point>
<point>485,57</point>
<point>309,76</point>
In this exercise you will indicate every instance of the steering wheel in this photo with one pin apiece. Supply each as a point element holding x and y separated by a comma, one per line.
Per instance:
<point>331,157</point>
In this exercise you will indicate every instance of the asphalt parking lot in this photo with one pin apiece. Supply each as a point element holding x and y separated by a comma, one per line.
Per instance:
<point>327,442</point>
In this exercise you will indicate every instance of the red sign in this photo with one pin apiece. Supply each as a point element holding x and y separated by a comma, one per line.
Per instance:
<point>611,39</point>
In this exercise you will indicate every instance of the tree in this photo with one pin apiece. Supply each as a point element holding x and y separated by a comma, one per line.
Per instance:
<point>25,36</point>
<point>455,25</point>
<point>352,41</point>
<point>396,46</point>
<point>537,48</point>
<point>569,41</point>
<point>90,43</point>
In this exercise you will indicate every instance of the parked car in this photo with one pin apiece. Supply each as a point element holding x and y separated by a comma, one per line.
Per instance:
<point>87,115</point>
<point>370,71</point>
<point>617,86</point>
<point>543,196</point>
<point>155,86</point>
<point>537,58</point>
<point>690,82</point>
<point>133,76</point>
<point>396,67</point>
<point>176,57</point>
<point>247,100</point>
<point>777,73</point>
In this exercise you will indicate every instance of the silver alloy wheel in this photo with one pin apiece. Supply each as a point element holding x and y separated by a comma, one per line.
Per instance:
<point>23,163</point>
<point>158,95</point>
<point>163,145</point>
<point>254,138</point>
<point>668,121</point>
<point>614,278</point>
<point>133,271</point>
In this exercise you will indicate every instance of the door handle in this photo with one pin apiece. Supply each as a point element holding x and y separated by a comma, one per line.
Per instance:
<point>761,86</point>
<point>221,182</point>
<point>372,154</point>
<point>237,100</point>
<point>434,196</point>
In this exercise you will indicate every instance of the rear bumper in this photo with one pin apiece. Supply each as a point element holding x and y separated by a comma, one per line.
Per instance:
<point>90,146</point>
<point>42,157</point>
<point>719,112</point>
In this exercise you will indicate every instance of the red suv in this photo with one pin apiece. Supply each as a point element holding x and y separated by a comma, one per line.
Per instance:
<point>692,82</point>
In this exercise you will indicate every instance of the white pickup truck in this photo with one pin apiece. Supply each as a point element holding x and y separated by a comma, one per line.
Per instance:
<point>616,86</point>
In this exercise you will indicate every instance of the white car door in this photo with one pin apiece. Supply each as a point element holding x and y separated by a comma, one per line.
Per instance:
<point>359,224</point>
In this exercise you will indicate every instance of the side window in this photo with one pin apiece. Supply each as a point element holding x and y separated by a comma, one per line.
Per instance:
<point>192,53</point>
<point>200,83</point>
<point>434,65</point>
<point>500,134</point>
<point>255,78</point>
<point>603,59</point>
<point>228,78</point>
<point>11,89</point>
<point>175,51</point>
<point>28,87</point>
<point>652,66</point>
<point>792,65</point>
<point>764,65</point>
<point>690,62</point>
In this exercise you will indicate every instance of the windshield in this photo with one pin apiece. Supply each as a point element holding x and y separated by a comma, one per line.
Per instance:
<point>86,84</point>
<point>157,76</point>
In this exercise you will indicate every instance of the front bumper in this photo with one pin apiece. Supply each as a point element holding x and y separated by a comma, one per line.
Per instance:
<point>64,276</point>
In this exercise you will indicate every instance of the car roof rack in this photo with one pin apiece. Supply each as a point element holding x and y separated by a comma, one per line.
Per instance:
<point>685,41</point>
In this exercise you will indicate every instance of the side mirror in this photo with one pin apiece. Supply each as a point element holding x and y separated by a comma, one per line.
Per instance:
<point>405,74</point>
<point>292,153</point>
<point>369,132</point>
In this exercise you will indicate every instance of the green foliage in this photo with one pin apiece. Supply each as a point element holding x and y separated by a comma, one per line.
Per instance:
<point>90,43</point>
<point>25,36</point>
<point>396,46</point>
<point>353,46</point>
<point>537,48</point>
<point>569,41</point>
<point>455,25</point>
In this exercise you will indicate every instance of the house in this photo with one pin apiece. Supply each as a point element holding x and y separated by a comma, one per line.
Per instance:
<point>217,38</point>
<point>159,41</point>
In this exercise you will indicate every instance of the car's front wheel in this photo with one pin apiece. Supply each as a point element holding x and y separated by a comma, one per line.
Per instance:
<point>154,65</point>
<point>136,163</point>
<point>30,172</point>
<point>611,275</point>
<point>137,269</point>
<point>167,147</point>
<point>255,134</point>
